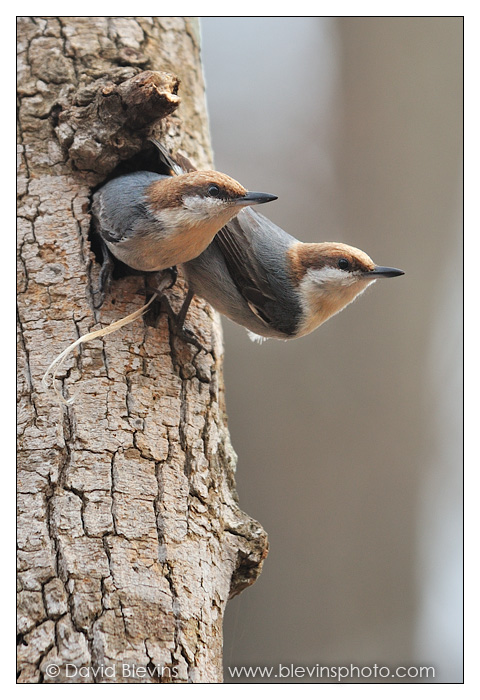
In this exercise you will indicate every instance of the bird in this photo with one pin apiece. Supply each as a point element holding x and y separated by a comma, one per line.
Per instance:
<point>267,281</point>
<point>274,285</point>
<point>153,222</point>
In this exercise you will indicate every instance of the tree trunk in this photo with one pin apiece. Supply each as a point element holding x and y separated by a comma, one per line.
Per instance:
<point>131,540</point>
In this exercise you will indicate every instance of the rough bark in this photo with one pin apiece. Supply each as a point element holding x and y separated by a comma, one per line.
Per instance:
<point>131,539</point>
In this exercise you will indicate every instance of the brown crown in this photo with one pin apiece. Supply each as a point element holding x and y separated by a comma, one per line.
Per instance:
<point>169,192</point>
<point>308,256</point>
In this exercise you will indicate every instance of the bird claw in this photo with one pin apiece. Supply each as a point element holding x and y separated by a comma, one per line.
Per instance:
<point>161,283</point>
<point>177,321</point>
<point>187,336</point>
<point>162,276</point>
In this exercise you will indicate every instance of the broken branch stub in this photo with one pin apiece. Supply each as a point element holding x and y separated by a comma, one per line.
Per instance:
<point>107,121</point>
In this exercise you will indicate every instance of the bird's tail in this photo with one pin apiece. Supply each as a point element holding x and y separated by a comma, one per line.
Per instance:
<point>178,165</point>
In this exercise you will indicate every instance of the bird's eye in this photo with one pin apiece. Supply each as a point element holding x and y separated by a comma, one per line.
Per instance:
<point>343,264</point>
<point>213,191</point>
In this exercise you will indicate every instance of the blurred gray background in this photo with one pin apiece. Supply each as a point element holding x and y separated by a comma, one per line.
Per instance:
<point>350,440</point>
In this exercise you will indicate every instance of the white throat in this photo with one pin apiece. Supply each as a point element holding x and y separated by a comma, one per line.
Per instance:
<point>327,291</point>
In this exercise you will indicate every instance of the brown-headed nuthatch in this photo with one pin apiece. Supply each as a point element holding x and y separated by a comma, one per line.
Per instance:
<point>152,222</point>
<point>272,284</point>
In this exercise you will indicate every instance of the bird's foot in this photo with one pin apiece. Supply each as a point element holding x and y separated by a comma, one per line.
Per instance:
<point>104,278</point>
<point>177,321</point>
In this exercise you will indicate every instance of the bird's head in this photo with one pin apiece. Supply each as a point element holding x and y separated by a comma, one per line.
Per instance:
<point>329,276</point>
<point>197,199</point>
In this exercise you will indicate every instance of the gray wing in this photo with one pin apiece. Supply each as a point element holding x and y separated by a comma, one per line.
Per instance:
<point>254,250</point>
<point>119,205</point>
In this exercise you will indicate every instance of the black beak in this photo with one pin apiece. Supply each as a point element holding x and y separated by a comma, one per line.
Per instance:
<point>385,272</point>
<point>256,198</point>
